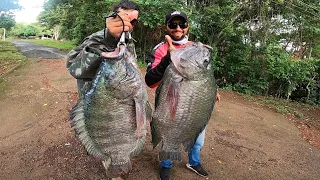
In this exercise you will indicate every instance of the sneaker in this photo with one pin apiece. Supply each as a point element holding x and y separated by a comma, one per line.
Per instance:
<point>198,169</point>
<point>164,173</point>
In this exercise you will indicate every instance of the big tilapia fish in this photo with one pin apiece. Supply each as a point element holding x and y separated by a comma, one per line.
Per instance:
<point>184,100</point>
<point>110,121</point>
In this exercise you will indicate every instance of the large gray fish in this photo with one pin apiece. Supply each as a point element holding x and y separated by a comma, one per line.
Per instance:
<point>110,121</point>
<point>184,100</point>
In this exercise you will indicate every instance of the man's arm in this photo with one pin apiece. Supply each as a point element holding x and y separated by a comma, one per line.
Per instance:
<point>160,61</point>
<point>84,60</point>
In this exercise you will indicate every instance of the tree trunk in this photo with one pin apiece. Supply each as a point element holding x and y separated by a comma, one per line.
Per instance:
<point>4,34</point>
<point>310,52</point>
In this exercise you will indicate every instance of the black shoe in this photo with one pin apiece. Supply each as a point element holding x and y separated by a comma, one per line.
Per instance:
<point>164,173</point>
<point>198,169</point>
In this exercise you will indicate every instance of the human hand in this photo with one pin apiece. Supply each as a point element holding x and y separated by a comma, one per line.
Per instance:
<point>218,97</point>
<point>115,26</point>
<point>170,45</point>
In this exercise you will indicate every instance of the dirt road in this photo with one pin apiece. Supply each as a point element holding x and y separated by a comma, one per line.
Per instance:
<point>244,140</point>
<point>33,50</point>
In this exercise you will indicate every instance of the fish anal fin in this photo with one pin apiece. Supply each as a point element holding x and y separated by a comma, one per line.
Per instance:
<point>116,167</point>
<point>188,144</point>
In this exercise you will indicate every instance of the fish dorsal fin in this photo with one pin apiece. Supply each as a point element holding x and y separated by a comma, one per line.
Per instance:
<point>78,123</point>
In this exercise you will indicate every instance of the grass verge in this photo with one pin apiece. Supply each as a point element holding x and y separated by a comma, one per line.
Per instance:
<point>9,56</point>
<point>62,45</point>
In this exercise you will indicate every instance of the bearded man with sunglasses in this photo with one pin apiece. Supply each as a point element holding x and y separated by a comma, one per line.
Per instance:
<point>177,27</point>
<point>84,60</point>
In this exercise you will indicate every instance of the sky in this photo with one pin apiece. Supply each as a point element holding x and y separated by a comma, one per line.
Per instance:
<point>30,10</point>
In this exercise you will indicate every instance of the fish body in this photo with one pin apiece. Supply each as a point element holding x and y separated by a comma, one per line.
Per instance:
<point>184,100</point>
<point>110,121</point>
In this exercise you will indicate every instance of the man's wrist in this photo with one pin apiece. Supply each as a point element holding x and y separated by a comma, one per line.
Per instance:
<point>110,41</point>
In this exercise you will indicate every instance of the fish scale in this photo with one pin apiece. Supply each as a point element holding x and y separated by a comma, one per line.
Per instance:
<point>193,90</point>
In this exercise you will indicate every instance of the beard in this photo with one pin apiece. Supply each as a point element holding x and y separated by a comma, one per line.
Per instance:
<point>175,38</point>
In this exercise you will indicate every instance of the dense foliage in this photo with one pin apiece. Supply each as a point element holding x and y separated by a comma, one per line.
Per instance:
<point>26,30</point>
<point>6,21</point>
<point>266,47</point>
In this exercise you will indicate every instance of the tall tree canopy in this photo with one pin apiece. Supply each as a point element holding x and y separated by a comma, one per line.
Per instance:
<point>267,47</point>
<point>7,21</point>
<point>6,13</point>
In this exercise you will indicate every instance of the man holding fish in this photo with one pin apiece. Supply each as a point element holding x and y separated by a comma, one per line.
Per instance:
<point>84,61</point>
<point>169,116</point>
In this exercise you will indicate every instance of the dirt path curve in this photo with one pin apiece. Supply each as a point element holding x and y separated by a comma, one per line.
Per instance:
<point>244,140</point>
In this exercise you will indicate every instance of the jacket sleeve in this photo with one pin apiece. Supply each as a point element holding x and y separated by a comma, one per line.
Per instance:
<point>84,60</point>
<point>155,74</point>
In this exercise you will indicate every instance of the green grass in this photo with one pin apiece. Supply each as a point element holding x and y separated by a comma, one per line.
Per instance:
<point>9,57</point>
<point>142,64</point>
<point>8,52</point>
<point>62,45</point>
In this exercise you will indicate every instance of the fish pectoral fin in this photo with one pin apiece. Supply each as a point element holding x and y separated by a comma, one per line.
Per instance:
<point>173,97</point>
<point>140,115</point>
<point>155,136</point>
<point>148,111</point>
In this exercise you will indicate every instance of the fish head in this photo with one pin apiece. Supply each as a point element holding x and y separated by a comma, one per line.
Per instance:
<point>192,60</point>
<point>120,76</point>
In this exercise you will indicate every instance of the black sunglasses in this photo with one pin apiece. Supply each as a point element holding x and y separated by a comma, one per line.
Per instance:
<point>174,25</point>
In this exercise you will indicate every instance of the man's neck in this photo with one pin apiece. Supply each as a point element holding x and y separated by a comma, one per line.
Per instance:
<point>184,40</point>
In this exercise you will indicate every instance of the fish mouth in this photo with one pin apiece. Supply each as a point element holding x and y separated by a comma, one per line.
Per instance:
<point>116,54</point>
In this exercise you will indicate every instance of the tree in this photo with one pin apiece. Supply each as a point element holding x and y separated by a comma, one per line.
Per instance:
<point>6,15</point>
<point>7,21</point>
<point>27,30</point>
<point>251,39</point>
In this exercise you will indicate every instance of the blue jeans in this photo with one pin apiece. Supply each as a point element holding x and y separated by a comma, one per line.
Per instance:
<point>193,154</point>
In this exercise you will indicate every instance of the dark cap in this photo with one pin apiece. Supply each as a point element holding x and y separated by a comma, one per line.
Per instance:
<point>175,14</point>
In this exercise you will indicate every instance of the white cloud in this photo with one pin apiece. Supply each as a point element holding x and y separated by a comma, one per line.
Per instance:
<point>30,10</point>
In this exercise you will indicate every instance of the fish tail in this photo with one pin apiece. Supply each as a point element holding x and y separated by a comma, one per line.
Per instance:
<point>174,156</point>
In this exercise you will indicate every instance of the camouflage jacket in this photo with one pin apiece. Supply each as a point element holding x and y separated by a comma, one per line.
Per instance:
<point>84,60</point>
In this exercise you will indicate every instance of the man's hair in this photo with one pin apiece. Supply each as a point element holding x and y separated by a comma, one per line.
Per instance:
<point>125,4</point>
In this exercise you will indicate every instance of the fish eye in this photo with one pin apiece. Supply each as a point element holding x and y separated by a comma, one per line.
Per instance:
<point>206,62</point>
